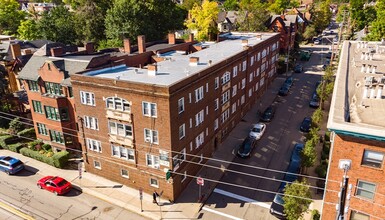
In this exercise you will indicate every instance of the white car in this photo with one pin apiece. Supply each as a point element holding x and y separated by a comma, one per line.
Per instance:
<point>257,131</point>
<point>316,42</point>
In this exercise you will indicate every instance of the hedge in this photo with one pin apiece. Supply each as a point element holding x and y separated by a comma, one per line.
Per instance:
<point>58,160</point>
<point>8,139</point>
<point>27,133</point>
<point>15,147</point>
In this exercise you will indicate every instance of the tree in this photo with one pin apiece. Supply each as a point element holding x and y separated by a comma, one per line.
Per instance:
<point>130,18</point>
<point>297,199</point>
<point>377,30</point>
<point>10,16</point>
<point>310,32</point>
<point>279,6</point>
<point>309,154</point>
<point>254,13</point>
<point>28,30</point>
<point>321,16</point>
<point>230,5</point>
<point>58,25</point>
<point>189,4</point>
<point>202,19</point>
<point>317,117</point>
<point>15,126</point>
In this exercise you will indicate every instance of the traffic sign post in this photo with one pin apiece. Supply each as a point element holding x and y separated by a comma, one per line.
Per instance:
<point>200,182</point>
<point>80,165</point>
<point>141,198</point>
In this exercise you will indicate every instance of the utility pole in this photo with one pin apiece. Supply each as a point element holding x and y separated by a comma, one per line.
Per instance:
<point>341,209</point>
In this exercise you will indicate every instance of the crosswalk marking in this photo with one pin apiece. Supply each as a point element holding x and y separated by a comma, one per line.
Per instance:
<point>242,198</point>
<point>221,213</point>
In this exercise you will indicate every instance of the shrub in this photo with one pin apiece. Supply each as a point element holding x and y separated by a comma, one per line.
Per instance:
<point>61,158</point>
<point>327,136</point>
<point>49,154</point>
<point>47,147</point>
<point>41,151</point>
<point>7,140</point>
<point>326,147</point>
<point>27,133</point>
<point>15,147</point>
<point>58,160</point>
<point>321,170</point>
<point>33,144</point>
<point>315,214</point>
<point>15,126</point>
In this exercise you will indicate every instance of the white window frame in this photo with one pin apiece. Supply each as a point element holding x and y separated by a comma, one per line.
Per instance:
<point>181,105</point>
<point>225,97</point>
<point>91,122</point>
<point>360,189</point>
<point>182,131</point>
<point>179,158</point>
<point>115,103</point>
<point>127,176</point>
<point>234,108</point>
<point>113,129</point>
<point>242,99</point>
<point>199,118</point>
<point>225,115</point>
<point>226,77</point>
<point>121,152</point>
<point>199,140</point>
<point>156,185</point>
<point>251,76</point>
<point>234,90</point>
<point>216,124</point>
<point>149,109</point>
<point>151,136</point>
<point>94,145</point>
<point>87,98</point>
<point>97,164</point>
<point>250,92</point>
<point>372,159</point>
<point>154,161</point>
<point>243,83</point>
<point>216,104</point>
<point>199,94</point>
<point>216,83</point>
<point>244,65</point>
<point>235,71</point>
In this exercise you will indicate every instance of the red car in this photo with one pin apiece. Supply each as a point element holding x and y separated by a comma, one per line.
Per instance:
<point>54,184</point>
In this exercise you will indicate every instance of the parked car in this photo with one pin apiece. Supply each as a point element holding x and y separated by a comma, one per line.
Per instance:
<point>298,68</point>
<point>246,147</point>
<point>292,171</point>
<point>289,81</point>
<point>316,42</point>
<point>329,55</point>
<point>314,102</point>
<point>10,165</point>
<point>324,67</point>
<point>284,90</point>
<point>335,40</point>
<point>296,154</point>
<point>276,207</point>
<point>268,114</point>
<point>257,131</point>
<point>306,124</point>
<point>54,184</point>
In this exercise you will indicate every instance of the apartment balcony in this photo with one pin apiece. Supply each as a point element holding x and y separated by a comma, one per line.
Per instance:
<point>119,115</point>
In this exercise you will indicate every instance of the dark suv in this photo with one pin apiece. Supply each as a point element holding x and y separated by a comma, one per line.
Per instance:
<point>268,114</point>
<point>246,147</point>
<point>10,165</point>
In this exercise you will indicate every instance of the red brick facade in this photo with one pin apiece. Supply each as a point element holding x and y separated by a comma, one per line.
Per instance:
<point>346,147</point>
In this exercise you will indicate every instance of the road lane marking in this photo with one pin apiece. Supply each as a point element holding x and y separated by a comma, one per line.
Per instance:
<point>221,213</point>
<point>15,211</point>
<point>242,198</point>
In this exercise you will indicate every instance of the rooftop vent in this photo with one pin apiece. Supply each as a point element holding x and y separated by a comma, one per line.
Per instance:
<point>194,61</point>
<point>152,69</point>
<point>369,80</point>
<point>244,42</point>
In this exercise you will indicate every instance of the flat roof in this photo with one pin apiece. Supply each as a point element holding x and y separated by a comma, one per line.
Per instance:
<point>176,66</point>
<point>358,101</point>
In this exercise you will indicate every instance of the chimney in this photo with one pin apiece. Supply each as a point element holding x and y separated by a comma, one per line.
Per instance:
<point>16,51</point>
<point>191,37</point>
<point>194,61</point>
<point>57,51</point>
<point>141,43</point>
<point>283,17</point>
<point>127,46</point>
<point>89,47</point>
<point>27,51</point>
<point>152,69</point>
<point>171,38</point>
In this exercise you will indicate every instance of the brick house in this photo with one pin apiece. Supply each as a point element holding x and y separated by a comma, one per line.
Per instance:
<point>138,122</point>
<point>286,26</point>
<point>356,120</point>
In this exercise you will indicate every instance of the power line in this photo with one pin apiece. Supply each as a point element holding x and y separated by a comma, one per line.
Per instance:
<point>192,155</point>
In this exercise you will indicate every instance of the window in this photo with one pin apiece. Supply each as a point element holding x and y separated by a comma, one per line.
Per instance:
<point>56,136</point>
<point>94,145</point>
<point>199,94</point>
<point>151,136</point>
<point>199,140</point>
<point>64,115</point>
<point>97,165</point>
<point>179,158</point>
<point>154,182</point>
<point>181,105</point>
<point>149,109</point>
<point>263,67</point>
<point>242,99</point>
<point>243,83</point>
<point>250,92</point>
<point>41,129</point>
<point>199,118</point>
<point>182,131</point>
<point>264,52</point>
<point>354,215</point>
<point>225,97</point>
<point>184,176</point>
<point>256,86</point>
<point>216,124</point>
<point>33,86</point>
<point>251,77</point>
<point>259,56</point>
<point>235,71</point>
<point>91,122</point>
<point>122,152</point>
<point>234,90</point>
<point>53,88</point>
<point>372,158</point>
<point>225,115</point>
<point>87,98</point>
<point>225,78</point>
<point>37,106</point>
<point>233,108</point>
<point>258,70</point>
<point>119,104</point>
<point>119,129</point>
<point>216,104</point>
<point>164,158</point>
<point>244,64</point>
<point>216,83</point>
<point>251,60</point>
<point>152,161</point>
<point>365,189</point>
<point>70,92</point>
<point>124,173</point>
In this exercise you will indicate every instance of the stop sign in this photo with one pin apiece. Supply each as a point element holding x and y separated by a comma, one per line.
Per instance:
<point>200,181</point>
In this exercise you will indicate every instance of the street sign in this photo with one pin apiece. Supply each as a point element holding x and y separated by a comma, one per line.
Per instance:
<point>200,181</point>
<point>80,165</point>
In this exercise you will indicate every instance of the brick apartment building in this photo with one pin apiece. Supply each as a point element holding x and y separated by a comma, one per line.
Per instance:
<point>286,26</point>
<point>171,110</point>
<point>356,119</point>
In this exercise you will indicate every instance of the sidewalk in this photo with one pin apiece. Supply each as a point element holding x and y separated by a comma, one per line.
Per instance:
<point>128,198</point>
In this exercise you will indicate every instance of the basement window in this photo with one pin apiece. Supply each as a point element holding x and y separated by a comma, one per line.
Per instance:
<point>372,158</point>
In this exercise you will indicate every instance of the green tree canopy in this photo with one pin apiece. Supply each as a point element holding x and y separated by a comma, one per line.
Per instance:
<point>152,18</point>
<point>230,5</point>
<point>189,4</point>
<point>310,32</point>
<point>58,25</point>
<point>254,13</point>
<point>10,16</point>
<point>202,19</point>
<point>309,154</point>
<point>28,30</point>
<point>377,29</point>
<point>297,199</point>
<point>279,6</point>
